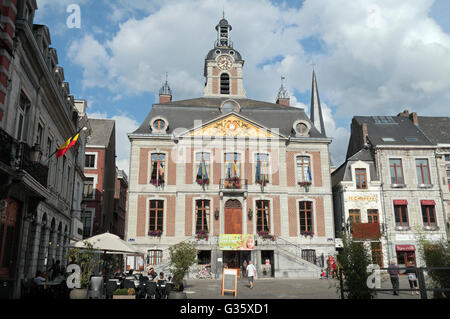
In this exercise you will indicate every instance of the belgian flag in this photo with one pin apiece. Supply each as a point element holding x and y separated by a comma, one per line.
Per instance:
<point>68,144</point>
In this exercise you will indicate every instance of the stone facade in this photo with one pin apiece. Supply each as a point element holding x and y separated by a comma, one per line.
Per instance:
<point>37,116</point>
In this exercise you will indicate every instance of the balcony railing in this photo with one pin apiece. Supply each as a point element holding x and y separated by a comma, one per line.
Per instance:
<point>366,230</point>
<point>6,147</point>
<point>233,185</point>
<point>22,154</point>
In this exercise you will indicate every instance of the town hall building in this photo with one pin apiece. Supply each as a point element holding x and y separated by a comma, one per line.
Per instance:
<point>243,179</point>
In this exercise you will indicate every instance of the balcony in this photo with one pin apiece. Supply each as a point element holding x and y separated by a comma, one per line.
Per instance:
<point>6,147</point>
<point>366,230</point>
<point>233,185</point>
<point>27,160</point>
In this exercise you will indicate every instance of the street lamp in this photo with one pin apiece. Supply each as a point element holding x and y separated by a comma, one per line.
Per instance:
<point>36,153</point>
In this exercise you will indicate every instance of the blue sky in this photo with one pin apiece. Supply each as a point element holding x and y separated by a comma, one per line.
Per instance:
<point>372,56</point>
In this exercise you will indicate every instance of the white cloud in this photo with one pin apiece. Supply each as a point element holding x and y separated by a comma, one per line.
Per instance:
<point>124,125</point>
<point>381,56</point>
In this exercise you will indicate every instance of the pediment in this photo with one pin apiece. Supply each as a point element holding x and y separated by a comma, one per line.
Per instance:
<point>232,126</point>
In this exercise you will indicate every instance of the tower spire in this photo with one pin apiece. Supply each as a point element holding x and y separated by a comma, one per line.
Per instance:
<point>165,93</point>
<point>283,95</point>
<point>316,109</point>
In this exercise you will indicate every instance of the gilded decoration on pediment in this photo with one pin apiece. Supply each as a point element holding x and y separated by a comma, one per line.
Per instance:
<point>231,126</point>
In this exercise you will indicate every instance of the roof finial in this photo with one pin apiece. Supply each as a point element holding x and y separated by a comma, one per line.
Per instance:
<point>223,12</point>
<point>282,92</point>
<point>312,63</point>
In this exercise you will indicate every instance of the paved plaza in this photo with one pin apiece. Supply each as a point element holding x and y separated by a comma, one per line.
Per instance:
<point>284,289</point>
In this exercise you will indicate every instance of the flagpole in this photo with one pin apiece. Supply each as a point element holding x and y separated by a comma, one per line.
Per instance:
<point>60,146</point>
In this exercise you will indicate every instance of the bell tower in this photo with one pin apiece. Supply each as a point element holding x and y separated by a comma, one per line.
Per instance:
<point>223,66</point>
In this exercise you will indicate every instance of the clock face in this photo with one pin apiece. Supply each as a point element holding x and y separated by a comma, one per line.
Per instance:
<point>225,63</point>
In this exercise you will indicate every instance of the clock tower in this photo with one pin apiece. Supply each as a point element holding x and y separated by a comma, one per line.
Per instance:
<point>223,66</point>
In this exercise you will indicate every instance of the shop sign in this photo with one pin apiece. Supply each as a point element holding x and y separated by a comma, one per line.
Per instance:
<point>236,242</point>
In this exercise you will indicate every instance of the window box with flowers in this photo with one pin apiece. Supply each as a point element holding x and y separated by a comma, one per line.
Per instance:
<point>304,184</point>
<point>155,233</point>
<point>233,183</point>
<point>201,234</point>
<point>307,233</point>
<point>265,235</point>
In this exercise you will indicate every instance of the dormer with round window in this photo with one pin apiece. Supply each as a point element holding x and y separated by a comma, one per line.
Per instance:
<point>301,128</point>
<point>159,125</point>
<point>230,106</point>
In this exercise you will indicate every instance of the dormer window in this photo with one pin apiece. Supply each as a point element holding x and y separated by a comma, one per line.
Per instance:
<point>230,106</point>
<point>301,128</point>
<point>159,125</point>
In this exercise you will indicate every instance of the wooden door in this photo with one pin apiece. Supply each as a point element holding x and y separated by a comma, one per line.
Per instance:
<point>233,217</point>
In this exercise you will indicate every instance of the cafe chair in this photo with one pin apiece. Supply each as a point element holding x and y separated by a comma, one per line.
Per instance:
<point>168,289</point>
<point>95,290</point>
<point>150,289</point>
<point>127,284</point>
<point>111,286</point>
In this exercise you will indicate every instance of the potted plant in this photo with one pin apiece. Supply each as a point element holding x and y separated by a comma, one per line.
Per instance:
<point>84,258</point>
<point>124,293</point>
<point>266,235</point>
<point>155,233</point>
<point>307,233</point>
<point>201,234</point>
<point>182,257</point>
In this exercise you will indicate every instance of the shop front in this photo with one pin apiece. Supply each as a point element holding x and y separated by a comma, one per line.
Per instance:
<point>405,255</point>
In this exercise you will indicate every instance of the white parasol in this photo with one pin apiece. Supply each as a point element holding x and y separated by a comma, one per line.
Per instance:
<point>108,242</point>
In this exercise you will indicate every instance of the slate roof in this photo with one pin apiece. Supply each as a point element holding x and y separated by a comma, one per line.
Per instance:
<point>101,131</point>
<point>344,173</point>
<point>402,130</point>
<point>436,128</point>
<point>186,114</point>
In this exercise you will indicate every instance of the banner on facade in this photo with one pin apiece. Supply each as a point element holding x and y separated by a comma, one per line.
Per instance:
<point>236,242</point>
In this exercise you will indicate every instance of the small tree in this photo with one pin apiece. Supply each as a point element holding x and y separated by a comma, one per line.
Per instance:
<point>353,262</point>
<point>437,254</point>
<point>182,256</point>
<point>83,257</point>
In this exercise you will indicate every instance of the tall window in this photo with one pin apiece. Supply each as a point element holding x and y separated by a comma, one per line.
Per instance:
<point>361,178</point>
<point>401,215</point>
<point>40,134</point>
<point>154,257</point>
<point>372,216</point>
<point>203,171</point>
<point>232,165</point>
<point>224,83</point>
<point>156,215</point>
<point>202,208</point>
<point>354,216</point>
<point>89,160</point>
<point>262,169</point>
<point>7,237</point>
<point>21,125</point>
<point>423,171</point>
<point>428,215</point>
<point>377,253</point>
<point>304,169</point>
<point>262,216</point>
<point>88,188</point>
<point>306,217</point>
<point>158,165</point>
<point>86,219</point>
<point>396,171</point>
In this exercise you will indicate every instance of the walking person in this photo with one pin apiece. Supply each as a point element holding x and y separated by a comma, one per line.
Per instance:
<point>251,273</point>
<point>393,274</point>
<point>412,277</point>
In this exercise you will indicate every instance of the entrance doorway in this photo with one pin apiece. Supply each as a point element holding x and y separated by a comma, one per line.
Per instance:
<point>235,259</point>
<point>233,217</point>
<point>267,256</point>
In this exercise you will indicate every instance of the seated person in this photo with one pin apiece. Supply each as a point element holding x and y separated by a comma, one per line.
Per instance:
<point>39,279</point>
<point>160,285</point>
<point>152,274</point>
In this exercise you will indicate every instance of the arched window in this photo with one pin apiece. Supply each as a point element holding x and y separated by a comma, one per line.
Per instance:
<point>224,84</point>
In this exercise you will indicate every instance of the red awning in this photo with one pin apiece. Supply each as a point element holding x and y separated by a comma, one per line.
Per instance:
<point>405,248</point>
<point>428,202</point>
<point>400,202</point>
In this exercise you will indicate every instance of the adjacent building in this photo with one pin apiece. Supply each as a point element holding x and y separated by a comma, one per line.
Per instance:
<point>396,168</point>
<point>120,203</point>
<point>37,115</point>
<point>224,167</point>
<point>100,172</point>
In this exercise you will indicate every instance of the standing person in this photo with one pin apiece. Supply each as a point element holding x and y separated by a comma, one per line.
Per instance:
<point>412,277</point>
<point>393,274</point>
<point>244,269</point>
<point>251,273</point>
